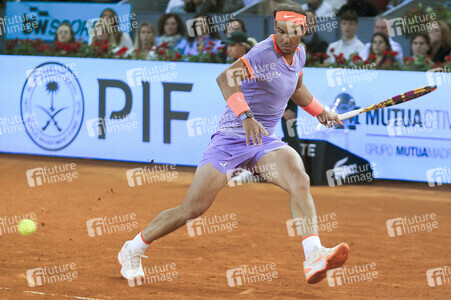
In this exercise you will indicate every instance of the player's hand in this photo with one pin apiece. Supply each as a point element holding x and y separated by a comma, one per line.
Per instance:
<point>329,119</point>
<point>254,129</point>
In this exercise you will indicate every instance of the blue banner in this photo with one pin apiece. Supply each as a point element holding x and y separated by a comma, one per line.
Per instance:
<point>164,111</point>
<point>32,20</point>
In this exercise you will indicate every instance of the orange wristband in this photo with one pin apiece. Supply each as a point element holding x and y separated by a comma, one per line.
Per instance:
<point>314,108</point>
<point>237,103</point>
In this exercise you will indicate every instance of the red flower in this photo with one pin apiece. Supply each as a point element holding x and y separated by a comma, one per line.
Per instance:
<point>332,50</point>
<point>163,45</point>
<point>448,58</point>
<point>405,58</point>
<point>211,43</point>
<point>356,58</point>
<point>105,47</point>
<point>386,52</point>
<point>162,52</point>
<point>136,50</point>
<point>122,51</point>
<point>412,59</point>
<point>207,48</point>
<point>372,56</point>
<point>220,48</point>
<point>394,53</point>
<point>212,55</point>
<point>177,55</point>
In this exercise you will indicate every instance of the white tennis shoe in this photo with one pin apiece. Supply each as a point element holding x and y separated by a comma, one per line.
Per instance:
<point>131,263</point>
<point>323,259</point>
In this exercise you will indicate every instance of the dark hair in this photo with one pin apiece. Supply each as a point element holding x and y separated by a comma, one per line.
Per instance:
<point>424,35</point>
<point>349,15</point>
<point>117,35</point>
<point>243,26</point>
<point>384,37</point>
<point>290,6</point>
<point>212,32</point>
<point>162,22</point>
<point>72,34</point>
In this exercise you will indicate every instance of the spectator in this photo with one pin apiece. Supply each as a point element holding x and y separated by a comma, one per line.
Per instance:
<point>122,39</point>
<point>102,32</point>
<point>172,31</point>
<point>440,41</point>
<point>206,37</point>
<point>145,41</point>
<point>364,8</point>
<point>238,44</point>
<point>266,7</point>
<point>64,34</point>
<point>380,26</point>
<point>231,6</point>
<point>320,7</point>
<point>313,42</point>
<point>379,47</point>
<point>349,43</point>
<point>420,44</point>
<point>235,25</point>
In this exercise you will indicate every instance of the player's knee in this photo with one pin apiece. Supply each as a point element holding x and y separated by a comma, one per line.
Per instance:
<point>300,183</point>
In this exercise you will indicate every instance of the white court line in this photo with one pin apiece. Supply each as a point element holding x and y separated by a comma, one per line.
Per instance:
<point>54,295</point>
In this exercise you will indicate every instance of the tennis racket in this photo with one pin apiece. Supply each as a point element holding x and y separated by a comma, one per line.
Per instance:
<point>404,97</point>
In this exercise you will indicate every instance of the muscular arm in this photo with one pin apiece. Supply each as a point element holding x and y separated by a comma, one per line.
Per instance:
<point>303,98</point>
<point>229,79</point>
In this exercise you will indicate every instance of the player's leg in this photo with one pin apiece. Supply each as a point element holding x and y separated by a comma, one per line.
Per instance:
<point>206,184</point>
<point>291,177</point>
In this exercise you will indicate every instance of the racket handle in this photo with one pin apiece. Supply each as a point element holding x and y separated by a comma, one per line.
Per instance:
<point>349,114</point>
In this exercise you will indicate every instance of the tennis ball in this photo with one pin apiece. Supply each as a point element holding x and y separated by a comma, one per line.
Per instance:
<point>26,227</point>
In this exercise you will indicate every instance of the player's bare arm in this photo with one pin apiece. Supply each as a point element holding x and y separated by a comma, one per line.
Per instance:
<point>304,98</point>
<point>251,126</point>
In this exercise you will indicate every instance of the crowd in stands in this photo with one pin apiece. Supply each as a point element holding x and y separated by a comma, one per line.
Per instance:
<point>168,39</point>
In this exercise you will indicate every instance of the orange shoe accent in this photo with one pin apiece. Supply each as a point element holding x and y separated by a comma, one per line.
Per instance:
<point>308,236</point>
<point>319,258</point>
<point>335,260</point>
<point>306,270</point>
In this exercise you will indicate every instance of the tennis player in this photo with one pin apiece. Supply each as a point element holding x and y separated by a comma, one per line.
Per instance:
<point>256,88</point>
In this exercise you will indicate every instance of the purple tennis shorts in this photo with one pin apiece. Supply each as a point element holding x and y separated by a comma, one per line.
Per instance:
<point>229,152</point>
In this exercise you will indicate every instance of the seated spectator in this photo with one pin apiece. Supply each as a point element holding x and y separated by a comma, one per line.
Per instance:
<point>64,34</point>
<point>101,33</point>
<point>235,25</point>
<point>172,31</point>
<point>145,41</point>
<point>379,48</point>
<point>122,39</point>
<point>313,42</point>
<point>440,41</point>
<point>380,25</point>
<point>364,8</point>
<point>349,42</point>
<point>320,7</point>
<point>420,44</point>
<point>238,44</point>
<point>206,37</point>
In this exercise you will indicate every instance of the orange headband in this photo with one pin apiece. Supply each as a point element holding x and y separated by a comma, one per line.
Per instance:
<point>290,16</point>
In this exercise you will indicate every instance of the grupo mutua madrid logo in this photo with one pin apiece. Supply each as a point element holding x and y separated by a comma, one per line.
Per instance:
<point>53,94</point>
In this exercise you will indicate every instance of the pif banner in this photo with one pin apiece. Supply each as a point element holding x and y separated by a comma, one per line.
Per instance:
<point>33,20</point>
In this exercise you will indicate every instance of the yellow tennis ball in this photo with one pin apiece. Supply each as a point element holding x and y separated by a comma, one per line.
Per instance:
<point>26,227</point>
